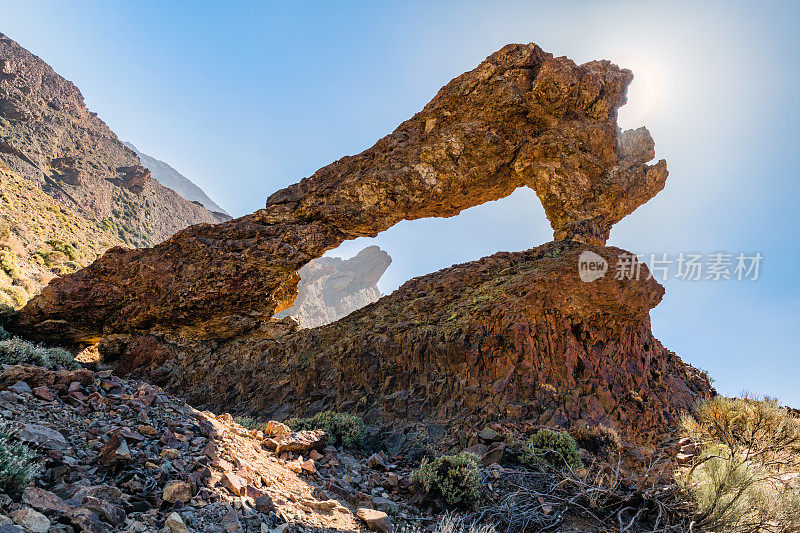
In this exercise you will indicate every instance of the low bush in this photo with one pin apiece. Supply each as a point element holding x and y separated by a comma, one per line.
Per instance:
<point>456,478</point>
<point>16,351</point>
<point>551,447</point>
<point>4,335</point>
<point>744,478</point>
<point>599,440</point>
<point>69,250</point>
<point>342,428</point>
<point>16,464</point>
<point>250,423</point>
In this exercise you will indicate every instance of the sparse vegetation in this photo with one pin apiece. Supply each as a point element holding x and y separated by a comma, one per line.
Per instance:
<point>599,440</point>
<point>451,523</point>
<point>4,335</point>
<point>456,478</point>
<point>16,464</point>
<point>745,478</point>
<point>14,351</point>
<point>70,250</point>
<point>342,428</point>
<point>553,448</point>
<point>543,499</point>
<point>250,423</point>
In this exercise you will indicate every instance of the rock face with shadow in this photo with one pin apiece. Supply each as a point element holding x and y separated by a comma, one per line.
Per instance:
<point>511,336</point>
<point>331,288</point>
<point>521,118</point>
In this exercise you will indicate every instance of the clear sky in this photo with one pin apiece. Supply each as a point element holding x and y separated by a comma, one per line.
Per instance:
<point>247,97</point>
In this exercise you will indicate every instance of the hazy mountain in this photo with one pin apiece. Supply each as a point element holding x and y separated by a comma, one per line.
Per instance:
<point>169,177</point>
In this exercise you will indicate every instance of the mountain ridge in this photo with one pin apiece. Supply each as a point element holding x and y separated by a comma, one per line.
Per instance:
<point>168,176</point>
<point>48,135</point>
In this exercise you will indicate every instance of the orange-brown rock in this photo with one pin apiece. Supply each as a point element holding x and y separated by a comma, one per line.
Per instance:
<point>521,118</point>
<point>513,335</point>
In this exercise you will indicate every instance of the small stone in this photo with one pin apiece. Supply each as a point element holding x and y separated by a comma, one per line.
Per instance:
<point>44,393</point>
<point>44,501</point>
<point>177,491</point>
<point>314,454</point>
<point>477,449</point>
<point>132,435</point>
<point>489,434</point>
<point>231,522</point>
<point>494,455</point>
<point>175,523</point>
<point>86,521</point>
<point>300,441</point>
<point>20,387</point>
<point>169,453</point>
<point>234,483</point>
<point>103,492</point>
<point>308,466</point>
<point>31,520</point>
<point>147,430</point>
<point>376,462</point>
<point>113,514</point>
<point>276,429</point>
<point>375,520</point>
<point>116,449</point>
<point>42,436</point>
<point>264,504</point>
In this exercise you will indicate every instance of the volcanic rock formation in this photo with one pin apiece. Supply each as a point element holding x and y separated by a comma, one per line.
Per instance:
<point>49,136</point>
<point>331,288</point>
<point>521,118</point>
<point>514,335</point>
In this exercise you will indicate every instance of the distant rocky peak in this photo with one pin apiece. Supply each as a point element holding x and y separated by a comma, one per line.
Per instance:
<point>331,287</point>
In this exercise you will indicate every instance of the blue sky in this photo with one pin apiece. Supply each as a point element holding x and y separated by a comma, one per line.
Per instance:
<point>247,97</point>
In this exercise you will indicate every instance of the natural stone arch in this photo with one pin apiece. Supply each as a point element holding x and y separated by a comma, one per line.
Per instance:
<point>521,118</point>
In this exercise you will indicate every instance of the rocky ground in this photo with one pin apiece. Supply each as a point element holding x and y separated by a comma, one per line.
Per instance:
<point>122,455</point>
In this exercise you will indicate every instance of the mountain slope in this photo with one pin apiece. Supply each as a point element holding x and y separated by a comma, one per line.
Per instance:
<point>41,238</point>
<point>169,177</point>
<point>48,136</point>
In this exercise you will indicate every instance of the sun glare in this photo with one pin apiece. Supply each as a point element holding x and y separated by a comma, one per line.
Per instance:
<point>645,94</point>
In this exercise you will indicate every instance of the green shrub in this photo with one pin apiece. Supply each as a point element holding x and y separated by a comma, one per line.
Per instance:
<point>4,335</point>
<point>16,351</point>
<point>16,295</point>
<point>16,464</point>
<point>554,448</point>
<point>342,428</point>
<point>8,263</point>
<point>250,423</point>
<point>456,478</point>
<point>68,249</point>
<point>600,440</point>
<point>748,449</point>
